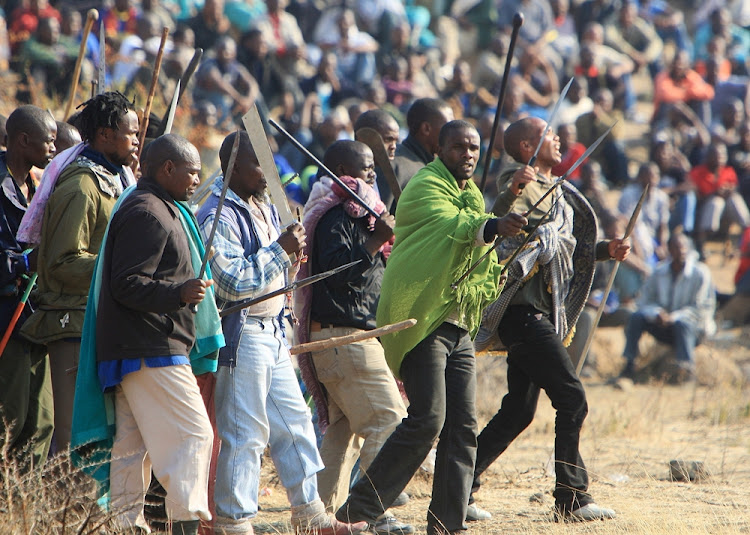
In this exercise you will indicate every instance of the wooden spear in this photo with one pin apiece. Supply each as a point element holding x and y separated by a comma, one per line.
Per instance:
<point>91,17</point>
<point>150,99</point>
<point>339,341</point>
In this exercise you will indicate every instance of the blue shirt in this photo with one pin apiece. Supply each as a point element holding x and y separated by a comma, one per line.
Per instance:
<point>111,372</point>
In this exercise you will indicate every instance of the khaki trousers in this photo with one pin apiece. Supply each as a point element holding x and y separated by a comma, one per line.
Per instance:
<point>161,424</point>
<point>364,407</point>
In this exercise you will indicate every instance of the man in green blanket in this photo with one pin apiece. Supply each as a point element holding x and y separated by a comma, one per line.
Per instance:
<point>441,229</point>
<point>144,335</point>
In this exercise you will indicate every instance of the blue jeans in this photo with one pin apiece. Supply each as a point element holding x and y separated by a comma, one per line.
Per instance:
<point>681,335</point>
<point>259,402</point>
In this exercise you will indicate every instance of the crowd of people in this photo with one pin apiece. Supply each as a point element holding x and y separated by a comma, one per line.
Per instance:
<point>123,343</point>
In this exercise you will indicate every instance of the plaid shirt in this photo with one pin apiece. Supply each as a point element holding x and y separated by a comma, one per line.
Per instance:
<point>236,276</point>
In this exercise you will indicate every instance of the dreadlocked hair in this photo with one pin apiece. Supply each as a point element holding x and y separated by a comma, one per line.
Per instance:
<point>103,111</point>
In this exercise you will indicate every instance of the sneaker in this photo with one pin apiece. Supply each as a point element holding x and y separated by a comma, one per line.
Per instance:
<point>330,526</point>
<point>475,513</point>
<point>401,500</point>
<point>388,524</point>
<point>589,512</point>
<point>231,526</point>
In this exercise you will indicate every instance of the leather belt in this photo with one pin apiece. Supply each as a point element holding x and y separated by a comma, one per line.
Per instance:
<point>316,326</point>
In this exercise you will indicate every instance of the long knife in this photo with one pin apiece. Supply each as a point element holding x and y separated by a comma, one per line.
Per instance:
<point>259,141</point>
<point>172,110</point>
<point>102,58</point>
<point>551,122</point>
<point>610,282</point>
<point>288,288</point>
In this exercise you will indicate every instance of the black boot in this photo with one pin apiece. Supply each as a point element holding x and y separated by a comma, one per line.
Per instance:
<point>186,527</point>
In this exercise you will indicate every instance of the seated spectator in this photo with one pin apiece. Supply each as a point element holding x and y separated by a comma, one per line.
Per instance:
<point>717,51</point>
<point>679,83</point>
<point>739,160</point>
<point>603,12</point>
<point>326,83</point>
<point>72,26</point>
<point>611,153</point>
<point>209,24</point>
<point>156,9</point>
<point>726,128</point>
<point>737,38</point>
<point>225,83</point>
<point>283,37</point>
<point>463,96</point>
<point>668,21</point>
<point>491,63</point>
<point>654,214</point>
<point>49,57</point>
<point>354,49</point>
<point>183,49</point>
<point>576,103</point>
<point>685,129</point>
<point>23,21</point>
<point>636,38</point>
<point>605,68</point>
<point>538,80</point>
<point>674,168</point>
<point>570,149</point>
<point>676,306</point>
<point>736,311</point>
<point>719,202</point>
<point>563,38</point>
<point>132,53</point>
<point>274,81</point>
<point>593,186</point>
<point>726,90</point>
<point>398,87</point>
<point>120,20</point>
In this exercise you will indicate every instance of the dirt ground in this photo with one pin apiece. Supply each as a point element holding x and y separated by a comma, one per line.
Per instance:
<point>631,434</point>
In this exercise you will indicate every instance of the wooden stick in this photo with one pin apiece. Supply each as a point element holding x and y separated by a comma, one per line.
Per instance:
<point>17,314</point>
<point>338,341</point>
<point>91,17</point>
<point>150,99</point>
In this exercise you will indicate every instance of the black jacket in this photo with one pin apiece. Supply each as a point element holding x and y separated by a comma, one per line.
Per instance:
<point>349,298</point>
<point>146,261</point>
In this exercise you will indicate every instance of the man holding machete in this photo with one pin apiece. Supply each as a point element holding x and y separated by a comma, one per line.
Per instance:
<point>258,400</point>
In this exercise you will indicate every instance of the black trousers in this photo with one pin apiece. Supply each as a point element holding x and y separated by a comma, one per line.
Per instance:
<point>538,360</point>
<point>439,377</point>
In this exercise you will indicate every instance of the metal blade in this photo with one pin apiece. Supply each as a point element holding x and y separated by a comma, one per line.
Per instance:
<point>172,109</point>
<point>371,138</point>
<point>288,288</point>
<point>551,122</point>
<point>610,283</point>
<point>102,59</point>
<point>255,130</point>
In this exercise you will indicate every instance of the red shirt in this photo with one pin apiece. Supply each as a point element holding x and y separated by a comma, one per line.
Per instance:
<point>709,183</point>
<point>569,158</point>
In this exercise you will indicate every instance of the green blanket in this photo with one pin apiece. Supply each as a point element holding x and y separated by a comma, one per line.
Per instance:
<point>93,410</point>
<point>436,229</point>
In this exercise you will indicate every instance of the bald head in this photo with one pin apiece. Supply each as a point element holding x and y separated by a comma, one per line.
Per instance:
<point>169,147</point>
<point>528,129</point>
<point>67,136</point>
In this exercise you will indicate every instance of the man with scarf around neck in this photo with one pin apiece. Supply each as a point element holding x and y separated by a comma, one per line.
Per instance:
<point>543,302</point>
<point>25,384</point>
<point>357,398</point>
<point>75,218</point>
<point>145,331</point>
<point>258,399</point>
<point>425,118</point>
<point>441,229</point>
